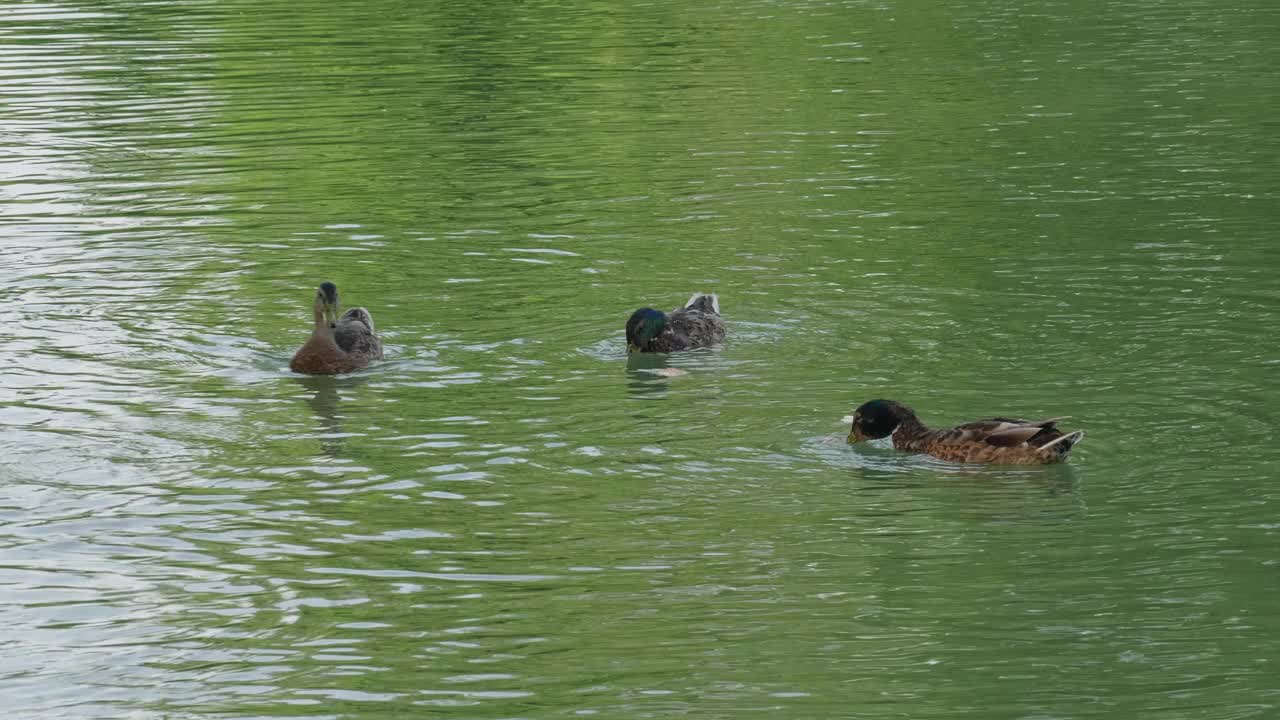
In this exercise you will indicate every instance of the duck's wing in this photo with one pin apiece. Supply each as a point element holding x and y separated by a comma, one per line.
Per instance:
<point>698,329</point>
<point>355,334</point>
<point>698,322</point>
<point>1003,440</point>
<point>1007,432</point>
<point>1000,431</point>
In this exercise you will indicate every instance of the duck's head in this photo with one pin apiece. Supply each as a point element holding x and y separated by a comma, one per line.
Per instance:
<point>644,325</point>
<point>876,419</point>
<point>326,306</point>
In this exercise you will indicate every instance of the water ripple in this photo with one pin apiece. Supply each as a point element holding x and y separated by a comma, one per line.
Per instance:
<point>509,516</point>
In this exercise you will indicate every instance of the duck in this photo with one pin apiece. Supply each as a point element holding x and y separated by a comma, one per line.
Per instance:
<point>696,324</point>
<point>1001,440</point>
<point>337,344</point>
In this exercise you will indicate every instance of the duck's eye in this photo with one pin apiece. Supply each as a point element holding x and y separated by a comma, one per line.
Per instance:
<point>333,326</point>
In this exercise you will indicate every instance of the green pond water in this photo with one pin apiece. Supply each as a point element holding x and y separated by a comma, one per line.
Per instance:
<point>976,208</point>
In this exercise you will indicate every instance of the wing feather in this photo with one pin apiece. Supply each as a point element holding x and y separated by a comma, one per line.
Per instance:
<point>1014,436</point>
<point>355,334</point>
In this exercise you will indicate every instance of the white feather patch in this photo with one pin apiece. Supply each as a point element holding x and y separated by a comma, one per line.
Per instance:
<point>715,300</point>
<point>1074,437</point>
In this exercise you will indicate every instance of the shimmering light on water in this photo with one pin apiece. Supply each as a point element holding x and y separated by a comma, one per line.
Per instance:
<point>1032,209</point>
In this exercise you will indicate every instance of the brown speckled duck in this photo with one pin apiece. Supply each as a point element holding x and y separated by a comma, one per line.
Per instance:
<point>994,440</point>
<point>337,344</point>
<point>698,324</point>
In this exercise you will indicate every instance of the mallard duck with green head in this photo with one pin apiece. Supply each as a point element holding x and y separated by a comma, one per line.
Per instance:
<point>337,344</point>
<point>698,324</point>
<point>994,440</point>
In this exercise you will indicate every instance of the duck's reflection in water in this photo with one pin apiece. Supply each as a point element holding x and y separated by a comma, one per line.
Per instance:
<point>648,375</point>
<point>324,397</point>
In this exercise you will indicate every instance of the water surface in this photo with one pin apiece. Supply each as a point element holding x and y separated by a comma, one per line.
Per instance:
<point>1041,209</point>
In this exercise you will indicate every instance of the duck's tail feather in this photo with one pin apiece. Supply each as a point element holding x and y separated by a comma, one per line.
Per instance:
<point>706,302</point>
<point>1070,439</point>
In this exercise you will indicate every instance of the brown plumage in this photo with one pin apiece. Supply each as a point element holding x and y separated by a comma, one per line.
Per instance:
<point>337,345</point>
<point>993,440</point>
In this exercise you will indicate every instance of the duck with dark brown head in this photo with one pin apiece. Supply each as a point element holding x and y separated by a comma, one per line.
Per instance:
<point>993,440</point>
<point>337,344</point>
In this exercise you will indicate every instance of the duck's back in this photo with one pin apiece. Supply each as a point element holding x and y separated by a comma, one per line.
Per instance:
<point>355,335</point>
<point>1000,440</point>
<point>697,324</point>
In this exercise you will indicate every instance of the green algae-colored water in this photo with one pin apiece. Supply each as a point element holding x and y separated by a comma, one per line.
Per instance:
<point>1035,209</point>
